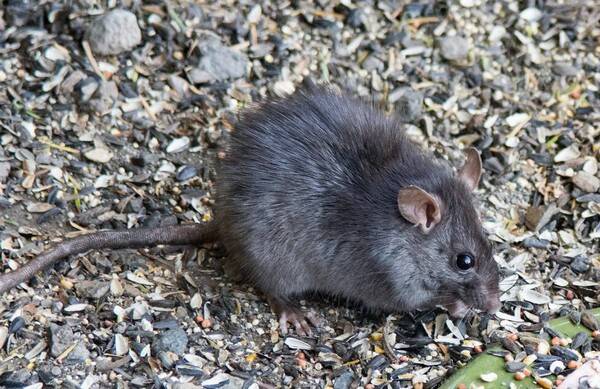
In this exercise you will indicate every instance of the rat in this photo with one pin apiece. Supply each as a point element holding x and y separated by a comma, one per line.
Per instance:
<point>320,191</point>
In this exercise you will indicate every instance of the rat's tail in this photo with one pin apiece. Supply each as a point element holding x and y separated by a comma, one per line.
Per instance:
<point>188,234</point>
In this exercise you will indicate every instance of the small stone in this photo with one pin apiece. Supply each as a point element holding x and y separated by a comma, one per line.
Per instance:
<point>173,340</point>
<point>105,97</point>
<point>344,380</point>
<point>61,338</point>
<point>180,85</point>
<point>4,171</point>
<point>99,155</point>
<point>218,63</point>
<point>454,48</point>
<point>373,63</point>
<point>86,89</point>
<point>580,264</point>
<point>409,104</point>
<point>586,182</point>
<point>79,354</point>
<point>92,288</point>
<point>114,32</point>
<point>565,69</point>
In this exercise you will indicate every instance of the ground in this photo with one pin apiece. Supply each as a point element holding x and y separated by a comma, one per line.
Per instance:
<point>114,120</point>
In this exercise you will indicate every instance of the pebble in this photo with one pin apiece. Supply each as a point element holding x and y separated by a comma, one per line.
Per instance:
<point>344,380</point>
<point>114,32</point>
<point>408,103</point>
<point>580,264</point>
<point>100,155</point>
<point>454,48</point>
<point>61,338</point>
<point>92,288</point>
<point>218,63</point>
<point>586,182</point>
<point>105,97</point>
<point>173,340</point>
<point>86,88</point>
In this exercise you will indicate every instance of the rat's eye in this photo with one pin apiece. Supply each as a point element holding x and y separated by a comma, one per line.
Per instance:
<point>465,261</point>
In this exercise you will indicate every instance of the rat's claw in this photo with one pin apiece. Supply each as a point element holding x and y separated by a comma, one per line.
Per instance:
<point>297,320</point>
<point>288,314</point>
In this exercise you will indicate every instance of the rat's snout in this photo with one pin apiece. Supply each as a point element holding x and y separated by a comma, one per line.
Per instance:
<point>492,303</point>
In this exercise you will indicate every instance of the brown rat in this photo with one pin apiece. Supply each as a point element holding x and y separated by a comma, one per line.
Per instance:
<point>322,192</point>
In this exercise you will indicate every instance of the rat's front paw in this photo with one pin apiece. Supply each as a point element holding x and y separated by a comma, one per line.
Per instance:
<point>288,314</point>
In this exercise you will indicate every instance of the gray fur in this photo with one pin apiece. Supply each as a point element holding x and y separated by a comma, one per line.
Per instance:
<point>306,201</point>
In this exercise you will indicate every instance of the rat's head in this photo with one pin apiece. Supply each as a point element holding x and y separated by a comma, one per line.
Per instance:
<point>456,254</point>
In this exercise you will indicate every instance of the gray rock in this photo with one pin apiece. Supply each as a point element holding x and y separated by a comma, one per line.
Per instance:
<point>408,103</point>
<point>373,63</point>
<point>454,48</point>
<point>218,63</point>
<point>114,32</point>
<point>503,82</point>
<point>105,97</point>
<point>92,288</point>
<point>86,89</point>
<point>344,380</point>
<point>61,338</point>
<point>533,242</point>
<point>580,264</point>
<point>565,69</point>
<point>174,340</point>
<point>79,354</point>
<point>4,171</point>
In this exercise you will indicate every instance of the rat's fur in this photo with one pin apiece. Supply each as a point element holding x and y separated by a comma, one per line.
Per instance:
<point>307,202</point>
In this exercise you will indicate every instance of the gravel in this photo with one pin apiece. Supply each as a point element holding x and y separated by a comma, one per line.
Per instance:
<point>115,32</point>
<point>126,133</point>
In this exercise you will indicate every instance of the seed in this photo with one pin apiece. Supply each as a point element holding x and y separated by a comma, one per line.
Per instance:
<point>206,323</point>
<point>573,364</point>
<point>528,360</point>
<point>489,377</point>
<point>544,383</point>
<point>519,376</point>
<point>555,341</point>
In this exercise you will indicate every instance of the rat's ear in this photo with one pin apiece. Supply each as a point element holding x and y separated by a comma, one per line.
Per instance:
<point>470,172</point>
<point>419,208</point>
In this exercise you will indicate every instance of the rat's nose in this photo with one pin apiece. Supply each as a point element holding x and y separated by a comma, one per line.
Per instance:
<point>492,303</point>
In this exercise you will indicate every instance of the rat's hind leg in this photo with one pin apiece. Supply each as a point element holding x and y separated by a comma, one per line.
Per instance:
<point>290,313</point>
